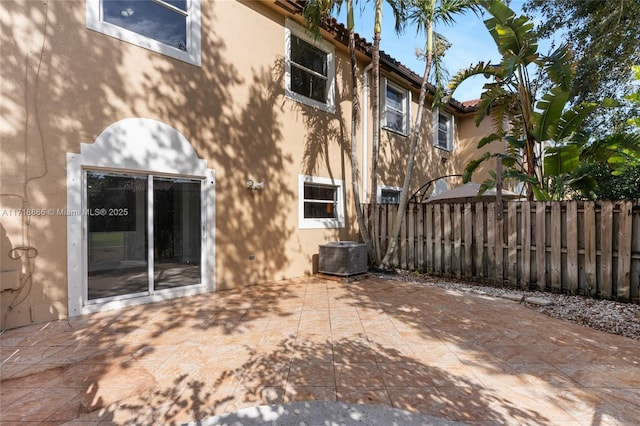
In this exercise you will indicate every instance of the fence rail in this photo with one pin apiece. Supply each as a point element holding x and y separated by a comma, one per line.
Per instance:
<point>577,247</point>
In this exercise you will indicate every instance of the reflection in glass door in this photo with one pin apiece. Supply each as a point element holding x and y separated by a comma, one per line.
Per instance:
<point>176,232</point>
<point>117,235</point>
<point>120,209</point>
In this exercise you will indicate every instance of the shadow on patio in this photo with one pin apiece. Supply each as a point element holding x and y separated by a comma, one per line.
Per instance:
<point>377,342</point>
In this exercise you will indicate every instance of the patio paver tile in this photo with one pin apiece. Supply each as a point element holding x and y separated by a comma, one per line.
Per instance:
<point>374,341</point>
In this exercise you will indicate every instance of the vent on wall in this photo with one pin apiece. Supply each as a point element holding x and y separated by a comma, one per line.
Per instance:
<point>343,258</point>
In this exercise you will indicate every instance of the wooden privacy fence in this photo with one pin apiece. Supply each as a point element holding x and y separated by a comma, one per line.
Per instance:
<point>578,247</point>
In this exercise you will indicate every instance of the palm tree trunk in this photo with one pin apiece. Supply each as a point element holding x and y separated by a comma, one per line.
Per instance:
<point>355,112</point>
<point>391,256</point>
<point>375,153</point>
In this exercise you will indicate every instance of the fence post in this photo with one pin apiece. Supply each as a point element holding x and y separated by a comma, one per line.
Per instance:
<point>623,283</point>
<point>572,246</point>
<point>606,248</point>
<point>512,244</point>
<point>480,228</point>
<point>526,243</point>
<point>556,247</point>
<point>541,246</point>
<point>590,258</point>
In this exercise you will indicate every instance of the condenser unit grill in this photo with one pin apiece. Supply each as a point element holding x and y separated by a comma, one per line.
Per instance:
<point>342,258</point>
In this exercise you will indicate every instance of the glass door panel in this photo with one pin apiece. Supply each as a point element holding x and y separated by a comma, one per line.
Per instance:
<point>117,234</point>
<point>176,232</point>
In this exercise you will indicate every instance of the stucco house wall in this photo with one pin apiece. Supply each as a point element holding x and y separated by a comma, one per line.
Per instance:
<point>62,86</point>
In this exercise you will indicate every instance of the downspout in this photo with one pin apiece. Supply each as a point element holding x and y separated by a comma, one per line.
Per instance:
<point>365,136</point>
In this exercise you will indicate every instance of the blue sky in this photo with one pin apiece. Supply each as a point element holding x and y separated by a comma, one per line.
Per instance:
<point>471,43</point>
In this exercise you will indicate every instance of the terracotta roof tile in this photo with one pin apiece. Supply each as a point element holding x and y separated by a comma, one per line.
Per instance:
<point>341,34</point>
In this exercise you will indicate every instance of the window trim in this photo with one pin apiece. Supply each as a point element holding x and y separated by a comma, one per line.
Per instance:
<point>406,114</point>
<point>291,28</point>
<point>192,55</point>
<point>450,130</point>
<point>388,188</point>
<point>321,223</point>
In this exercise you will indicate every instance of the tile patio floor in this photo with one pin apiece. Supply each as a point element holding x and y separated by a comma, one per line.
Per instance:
<point>423,349</point>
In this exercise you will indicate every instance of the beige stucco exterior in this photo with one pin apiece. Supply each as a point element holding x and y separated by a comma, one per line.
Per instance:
<point>63,84</point>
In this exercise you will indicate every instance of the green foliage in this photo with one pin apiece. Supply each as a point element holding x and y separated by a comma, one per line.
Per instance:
<point>605,39</point>
<point>546,140</point>
<point>623,186</point>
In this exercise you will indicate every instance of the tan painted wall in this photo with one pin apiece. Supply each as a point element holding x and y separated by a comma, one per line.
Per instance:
<point>433,162</point>
<point>62,84</point>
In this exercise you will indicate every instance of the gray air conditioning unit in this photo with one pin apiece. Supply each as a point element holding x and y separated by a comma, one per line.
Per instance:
<point>343,258</point>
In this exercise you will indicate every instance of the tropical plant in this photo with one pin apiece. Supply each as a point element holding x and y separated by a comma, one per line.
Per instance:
<point>543,136</point>
<point>424,14</point>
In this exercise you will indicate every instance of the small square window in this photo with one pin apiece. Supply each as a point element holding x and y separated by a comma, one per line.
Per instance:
<point>396,103</point>
<point>170,27</point>
<point>321,202</point>
<point>389,194</point>
<point>443,130</point>
<point>309,70</point>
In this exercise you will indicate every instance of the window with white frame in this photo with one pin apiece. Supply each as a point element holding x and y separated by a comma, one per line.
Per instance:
<point>443,130</point>
<point>321,202</point>
<point>169,27</point>
<point>389,194</point>
<point>309,68</point>
<point>396,104</point>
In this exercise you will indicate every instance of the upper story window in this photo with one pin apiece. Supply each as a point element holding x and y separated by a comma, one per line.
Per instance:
<point>396,102</point>
<point>443,130</point>
<point>321,202</point>
<point>309,68</point>
<point>169,27</point>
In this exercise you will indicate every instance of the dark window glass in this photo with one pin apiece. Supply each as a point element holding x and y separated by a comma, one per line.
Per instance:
<point>319,210</point>
<point>319,201</point>
<point>176,232</point>
<point>117,238</point>
<point>150,19</point>
<point>395,110</point>
<point>443,131</point>
<point>308,56</point>
<point>308,70</point>
<point>389,196</point>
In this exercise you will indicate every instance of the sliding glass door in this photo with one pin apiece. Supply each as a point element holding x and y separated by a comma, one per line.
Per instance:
<point>124,214</point>
<point>176,232</point>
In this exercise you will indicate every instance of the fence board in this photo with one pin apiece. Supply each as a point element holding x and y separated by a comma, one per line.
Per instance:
<point>512,266</point>
<point>420,237</point>
<point>468,240</point>
<point>411,238</point>
<point>499,244</point>
<point>437,237</point>
<point>556,247</point>
<point>491,241</point>
<point>402,244</point>
<point>429,237</point>
<point>480,241</point>
<point>589,219</point>
<point>623,284</point>
<point>572,247</point>
<point>541,246</point>
<point>526,244</point>
<point>446,238</point>
<point>606,248</point>
<point>457,239</point>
